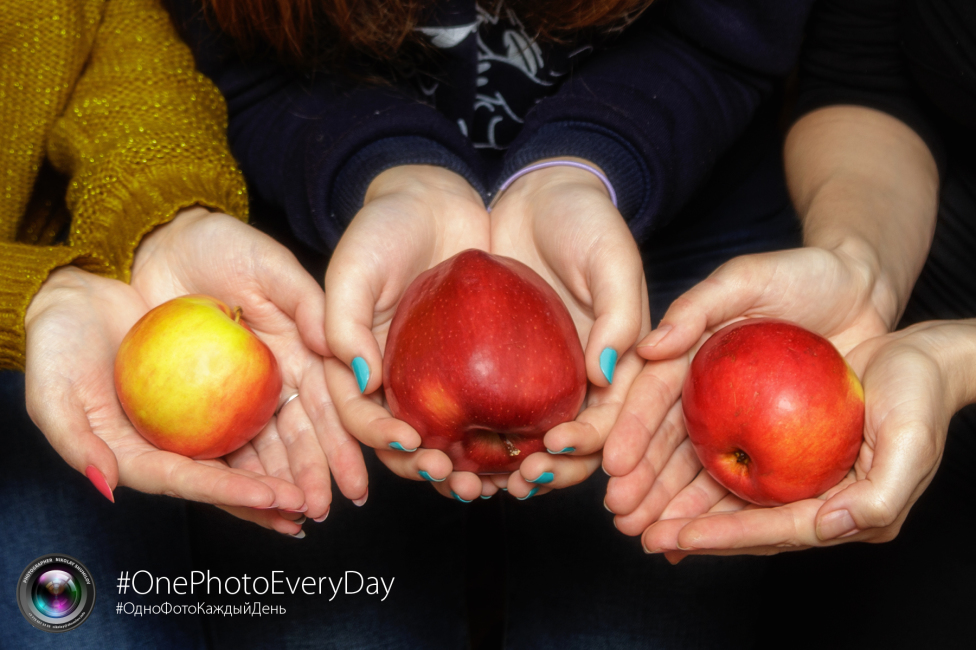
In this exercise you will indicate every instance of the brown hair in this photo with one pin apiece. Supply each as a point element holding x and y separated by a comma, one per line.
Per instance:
<point>312,32</point>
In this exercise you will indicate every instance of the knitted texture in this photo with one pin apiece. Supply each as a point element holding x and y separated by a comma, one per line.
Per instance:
<point>109,96</point>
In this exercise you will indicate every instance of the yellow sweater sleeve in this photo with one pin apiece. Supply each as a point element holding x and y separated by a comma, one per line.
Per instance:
<point>142,136</point>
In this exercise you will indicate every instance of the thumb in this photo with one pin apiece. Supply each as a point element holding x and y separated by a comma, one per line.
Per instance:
<point>724,295</point>
<point>350,303</point>
<point>65,425</point>
<point>904,461</point>
<point>620,309</point>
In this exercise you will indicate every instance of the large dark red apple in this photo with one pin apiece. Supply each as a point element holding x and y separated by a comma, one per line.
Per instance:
<point>482,359</point>
<point>773,410</point>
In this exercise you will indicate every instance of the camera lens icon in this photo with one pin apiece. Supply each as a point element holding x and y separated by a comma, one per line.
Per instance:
<point>56,593</point>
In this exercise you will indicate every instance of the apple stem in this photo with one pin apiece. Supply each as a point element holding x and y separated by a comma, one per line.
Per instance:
<point>238,312</point>
<point>512,449</point>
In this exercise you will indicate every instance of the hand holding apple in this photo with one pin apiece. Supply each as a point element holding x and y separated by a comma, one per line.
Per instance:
<point>838,293</point>
<point>560,222</point>
<point>213,254</point>
<point>914,380</point>
<point>482,360</point>
<point>74,327</point>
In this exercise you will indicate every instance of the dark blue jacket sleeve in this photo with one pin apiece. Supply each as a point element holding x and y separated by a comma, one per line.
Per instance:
<point>311,144</point>
<point>657,108</point>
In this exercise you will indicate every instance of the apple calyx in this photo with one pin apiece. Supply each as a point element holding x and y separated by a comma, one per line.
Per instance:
<point>741,457</point>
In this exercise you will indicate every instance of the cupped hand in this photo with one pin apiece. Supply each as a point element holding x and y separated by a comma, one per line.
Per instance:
<point>413,218</point>
<point>913,385</point>
<point>217,255</point>
<point>837,293</point>
<point>560,222</point>
<point>74,327</point>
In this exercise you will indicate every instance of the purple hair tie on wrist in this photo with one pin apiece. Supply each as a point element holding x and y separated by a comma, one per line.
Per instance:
<point>554,163</point>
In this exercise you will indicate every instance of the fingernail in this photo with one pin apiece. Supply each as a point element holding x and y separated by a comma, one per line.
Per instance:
<point>273,505</point>
<point>427,477</point>
<point>299,535</point>
<point>504,489</point>
<point>529,495</point>
<point>608,363</point>
<point>302,509</point>
<point>322,518</point>
<point>360,501</point>
<point>361,369</point>
<point>606,507</point>
<point>605,470</point>
<point>545,477</point>
<point>456,496</point>
<point>98,480</point>
<point>648,551</point>
<point>301,520</point>
<point>655,337</point>
<point>399,447</point>
<point>836,524</point>
<point>566,450</point>
<point>485,496</point>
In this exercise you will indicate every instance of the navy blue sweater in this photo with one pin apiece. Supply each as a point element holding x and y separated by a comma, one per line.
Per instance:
<point>654,106</point>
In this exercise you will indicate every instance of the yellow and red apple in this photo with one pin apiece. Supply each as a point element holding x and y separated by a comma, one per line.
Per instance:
<point>194,379</point>
<point>773,410</point>
<point>482,359</point>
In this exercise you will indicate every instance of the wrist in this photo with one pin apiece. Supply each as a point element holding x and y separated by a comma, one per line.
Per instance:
<point>160,237</point>
<point>427,183</point>
<point>864,262</point>
<point>55,287</point>
<point>953,343</point>
<point>554,176</point>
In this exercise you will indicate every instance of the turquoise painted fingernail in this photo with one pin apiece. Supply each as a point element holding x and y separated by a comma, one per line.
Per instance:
<point>361,369</point>
<point>485,496</point>
<point>545,477</point>
<point>529,495</point>
<point>427,477</point>
<point>455,495</point>
<point>608,363</point>
<point>399,447</point>
<point>566,450</point>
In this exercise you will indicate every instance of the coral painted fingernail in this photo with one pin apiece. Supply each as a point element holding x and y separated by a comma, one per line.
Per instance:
<point>836,524</point>
<point>98,480</point>
<point>529,495</point>
<point>458,497</point>
<point>608,363</point>
<point>399,447</point>
<point>545,477</point>
<point>566,450</point>
<point>360,501</point>
<point>655,337</point>
<point>427,477</point>
<point>361,369</point>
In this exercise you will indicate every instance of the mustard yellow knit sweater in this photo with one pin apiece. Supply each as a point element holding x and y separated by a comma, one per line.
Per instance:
<point>103,96</point>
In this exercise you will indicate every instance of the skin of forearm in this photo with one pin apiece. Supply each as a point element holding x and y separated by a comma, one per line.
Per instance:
<point>865,184</point>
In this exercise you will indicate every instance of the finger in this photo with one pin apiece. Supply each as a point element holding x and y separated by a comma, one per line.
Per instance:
<point>626,492</point>
<point>65,424</point>
<point>246,458</point>
<point>363,417</point>
<point>652,396</point>
<point>463,487</point>
<point>269,519</point>
<point>430,465</point>
<point>305,458</point>
<point>342,451</point>
<point>616,283</point>
<point>271,452</point>
<point>681,470</point>
<point>727,293</point>
<point>351,294</point>
<point>696,498</point>
<point>552,472</point>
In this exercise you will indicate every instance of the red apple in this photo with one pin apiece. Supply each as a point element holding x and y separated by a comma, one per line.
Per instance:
<point>773,410</point>
<point>194,379</point>
<point>482,359</point>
